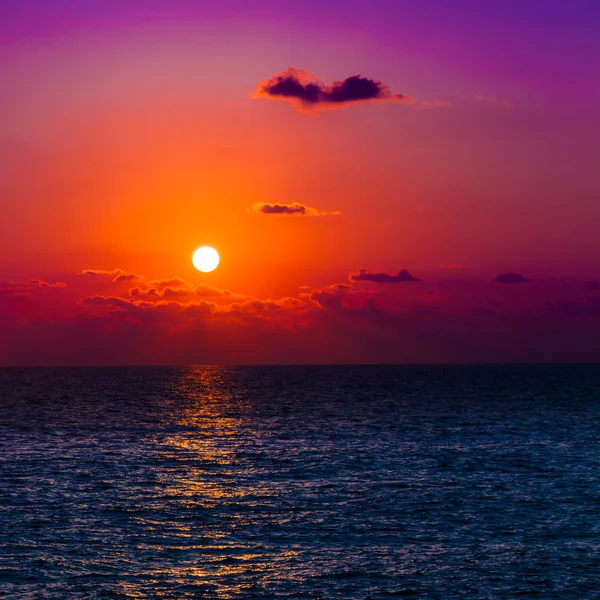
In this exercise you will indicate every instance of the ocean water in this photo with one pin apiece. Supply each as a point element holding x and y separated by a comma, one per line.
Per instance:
<point>300,482</point>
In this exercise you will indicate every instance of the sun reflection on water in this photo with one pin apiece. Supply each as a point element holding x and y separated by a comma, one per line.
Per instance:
<point>207,487</point>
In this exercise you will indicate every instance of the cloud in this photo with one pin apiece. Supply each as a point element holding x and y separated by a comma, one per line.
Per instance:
<point>174,308</point>
<point>116,275</point>
<point>156,294</point>
<point>510,278</point>
<point>307,92</point>
<point>157,289</point>
<point>341,296</point>
<point>160,289</point>
<point>366,275</point>
<point>140,293</point>
<point>13,288</point>
<point>107,301</point>
<point>165,313</point>
<point>44,284</point>
<point>126,277</point>
<point>173,282</point>
<point>295,209</point>
<point>177,293</point>
<point>207,291</point>
<point>101,273</point>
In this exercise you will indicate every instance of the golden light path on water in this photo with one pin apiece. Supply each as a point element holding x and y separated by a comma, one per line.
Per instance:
<point>206,467</point>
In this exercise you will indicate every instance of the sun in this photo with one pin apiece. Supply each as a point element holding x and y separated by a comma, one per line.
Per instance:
<point>206,259</point>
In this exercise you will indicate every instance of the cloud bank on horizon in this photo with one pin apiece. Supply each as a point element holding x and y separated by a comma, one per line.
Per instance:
<point>173,321</point>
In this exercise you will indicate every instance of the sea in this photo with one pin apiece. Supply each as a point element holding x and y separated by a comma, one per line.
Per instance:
<point>433,482</point>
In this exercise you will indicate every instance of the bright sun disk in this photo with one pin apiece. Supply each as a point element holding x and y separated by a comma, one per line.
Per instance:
<point>206,259</point>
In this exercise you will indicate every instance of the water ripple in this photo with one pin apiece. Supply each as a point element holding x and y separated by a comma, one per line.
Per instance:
<point>300,482</point>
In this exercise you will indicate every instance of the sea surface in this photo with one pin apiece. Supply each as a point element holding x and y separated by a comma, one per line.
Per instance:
<point>300,482</point>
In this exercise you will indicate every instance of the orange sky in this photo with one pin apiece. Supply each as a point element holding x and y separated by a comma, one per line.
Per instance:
<point>127,147</point>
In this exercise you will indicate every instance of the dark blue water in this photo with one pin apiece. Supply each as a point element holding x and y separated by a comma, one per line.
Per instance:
<point>300,482</point>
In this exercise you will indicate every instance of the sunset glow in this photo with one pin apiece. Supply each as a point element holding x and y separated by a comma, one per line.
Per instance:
<point>299,299</point>
<point>371,185</point>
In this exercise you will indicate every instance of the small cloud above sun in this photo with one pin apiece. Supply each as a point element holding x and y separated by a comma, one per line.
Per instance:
<point>206,259</point>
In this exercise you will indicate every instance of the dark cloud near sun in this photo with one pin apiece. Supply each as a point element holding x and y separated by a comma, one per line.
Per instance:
<point>510,278</point>
<point>308,92</point>
<point>366,275</point>
<point>294,209</point>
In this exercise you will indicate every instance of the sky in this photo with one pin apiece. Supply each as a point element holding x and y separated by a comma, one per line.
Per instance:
<point>391,181</point>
